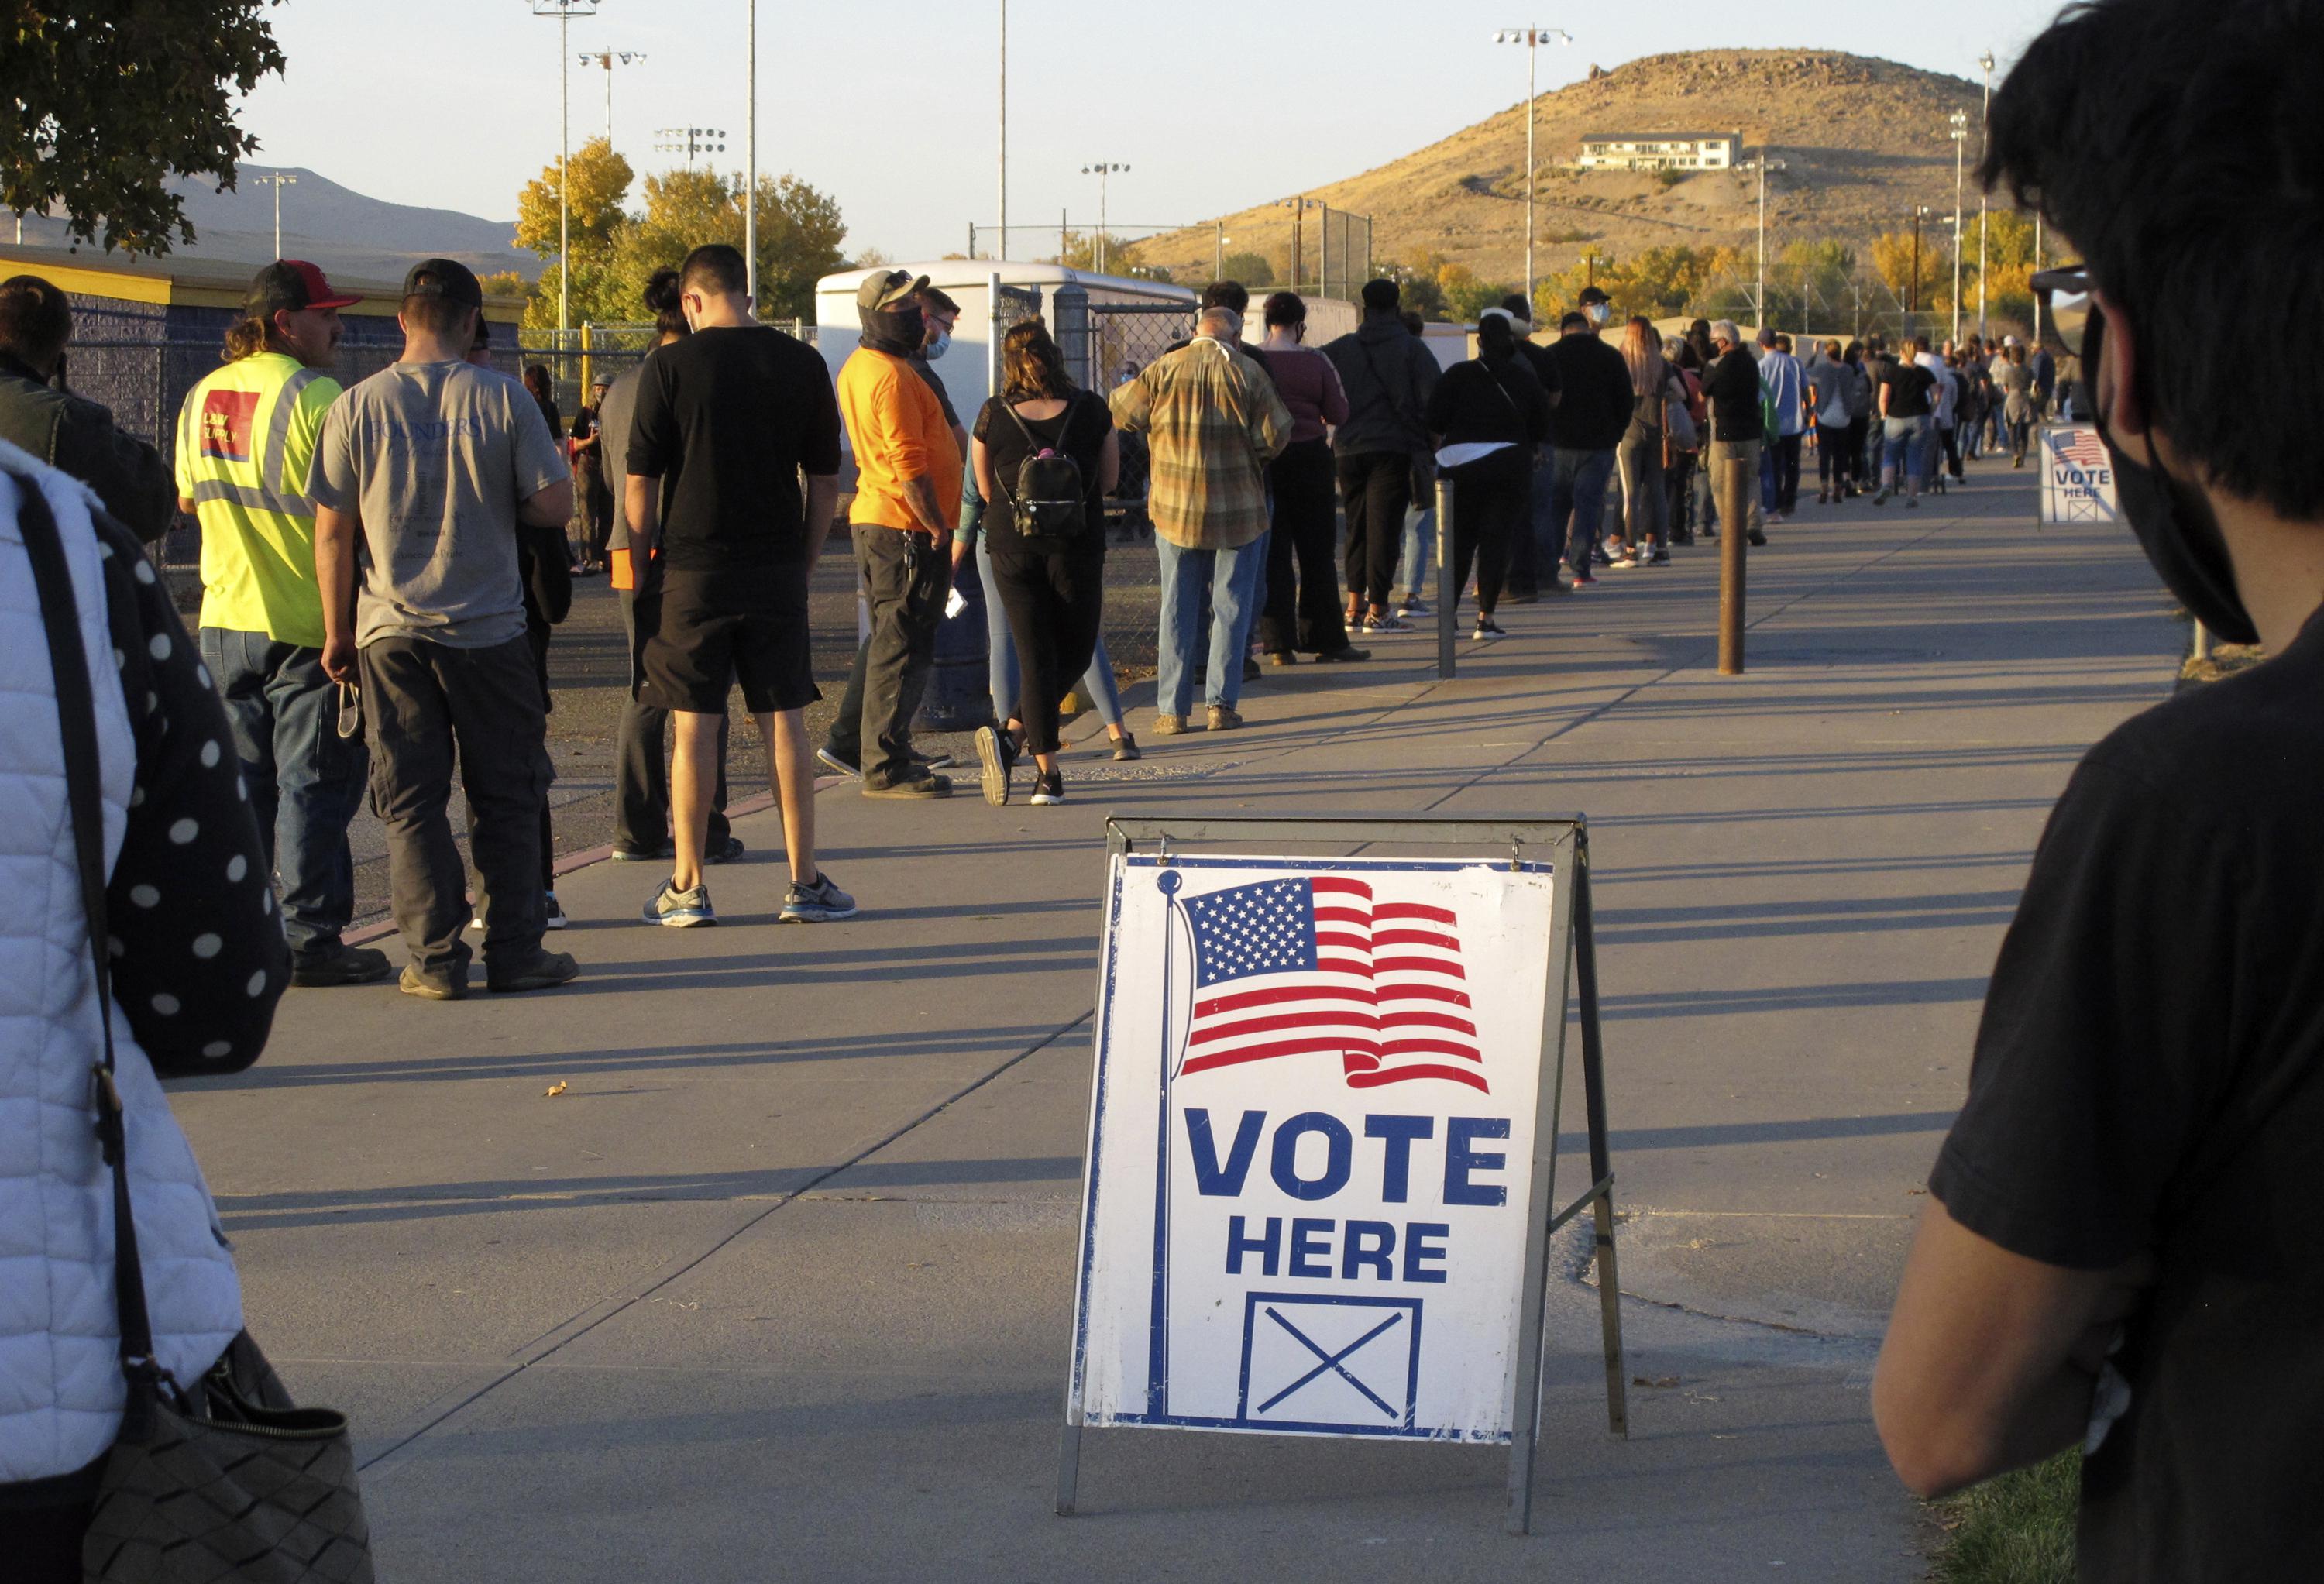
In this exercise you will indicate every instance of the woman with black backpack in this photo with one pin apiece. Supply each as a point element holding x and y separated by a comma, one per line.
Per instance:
<point>1045,454</point>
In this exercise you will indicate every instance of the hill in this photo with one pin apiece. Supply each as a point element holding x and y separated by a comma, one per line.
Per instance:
<point>325,224</point>
<point>1862,141</point>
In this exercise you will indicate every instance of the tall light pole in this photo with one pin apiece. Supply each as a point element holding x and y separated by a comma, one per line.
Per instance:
<point>751,161</point>
<point>1984,138</point>
<point>564,11</point>
<point>1763,164</point>
<point>1001,253</point>
<point>1960,119</point>
<point>1913,303</point>
<point>1101,170</point>
<point>278,181</point>
<point>690,141</point>
<point>609,59</point>
<point>1532,38</point>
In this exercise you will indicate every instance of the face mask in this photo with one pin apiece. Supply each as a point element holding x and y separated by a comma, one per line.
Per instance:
<point>898,331</point>
<point>2177,528</point>
<point>1599,313</point>
<point>937,347</point>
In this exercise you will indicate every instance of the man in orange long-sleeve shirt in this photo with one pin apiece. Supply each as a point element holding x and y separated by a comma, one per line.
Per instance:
<point>907,505</point>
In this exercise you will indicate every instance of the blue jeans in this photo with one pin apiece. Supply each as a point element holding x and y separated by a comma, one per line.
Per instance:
<point>1230,576</point>
<point>1417,556</point>
<point>306,781</point>
<point>1906,459</point>
<point>1577,507</point>
<point>1001,656</point>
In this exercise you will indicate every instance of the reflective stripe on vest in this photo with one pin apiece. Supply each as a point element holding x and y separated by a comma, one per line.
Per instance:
<point>267,492</point>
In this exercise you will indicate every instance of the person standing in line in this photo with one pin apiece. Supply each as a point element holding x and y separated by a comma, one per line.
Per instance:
<point>1943,394</point>
<point>1780,391</point>
<point>545,577</point>
<point>536,385</point>
<point>907,505</point>
<point>1646,517</point>
<point>1492,399</point>
<point>1386,375</point>
<point>424,472</point>
<point>1302,601</point>
<point>727,420</point>
<point>1859,418</point>
<point>2016,383</point>
<point>1522,585</point>
<point>841,750</point>
<point>2045,381</point>
<point>1585,427</point>
<point>1045,456</point>
<point>589,489</point>
<point>1682,462</point>
<point>1215,422</point>
<point>247,441</point>
<point>68,431</point>
<point>641,740</point>
<point>1906,405</point>
<point>1737,427</point>
<point>1416,550</point>
<point>1831,390</point>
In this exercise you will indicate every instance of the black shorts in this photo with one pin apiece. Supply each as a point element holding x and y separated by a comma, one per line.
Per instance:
<point>717,628</point>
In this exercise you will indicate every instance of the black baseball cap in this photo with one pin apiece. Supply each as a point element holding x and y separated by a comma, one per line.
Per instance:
<point>291,284</point>
<point>1591,294</point>
<point>445,278</point>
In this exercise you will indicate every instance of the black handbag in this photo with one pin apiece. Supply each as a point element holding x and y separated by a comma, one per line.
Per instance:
<point>224,1482</point>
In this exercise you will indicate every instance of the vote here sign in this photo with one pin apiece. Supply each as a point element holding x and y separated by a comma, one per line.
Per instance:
<point>1310,1138</point>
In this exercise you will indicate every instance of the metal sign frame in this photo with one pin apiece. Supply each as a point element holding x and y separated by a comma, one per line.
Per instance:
<point>1573,975</point>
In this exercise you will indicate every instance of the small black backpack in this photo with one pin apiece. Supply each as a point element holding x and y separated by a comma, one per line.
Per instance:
<point>1050,504</point>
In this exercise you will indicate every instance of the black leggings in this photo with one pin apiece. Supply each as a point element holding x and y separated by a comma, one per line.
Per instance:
<point>1490,500</point>
<point>1303,585</point>
<point>1055,602</point>
<point>1377,487</point>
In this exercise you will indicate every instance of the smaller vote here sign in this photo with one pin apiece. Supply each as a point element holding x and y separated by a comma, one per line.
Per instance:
<point>1310,1145</point>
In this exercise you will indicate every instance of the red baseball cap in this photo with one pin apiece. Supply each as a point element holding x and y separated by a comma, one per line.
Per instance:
<point>293,284</point>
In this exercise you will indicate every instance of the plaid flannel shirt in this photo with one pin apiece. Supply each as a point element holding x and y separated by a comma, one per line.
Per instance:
<point>1214,422</point>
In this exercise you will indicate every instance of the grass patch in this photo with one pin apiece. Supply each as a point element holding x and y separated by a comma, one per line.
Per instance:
<point>2018,1529</point>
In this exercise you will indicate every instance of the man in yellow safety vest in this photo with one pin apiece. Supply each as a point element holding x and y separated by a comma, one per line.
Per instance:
<point>246,448</point>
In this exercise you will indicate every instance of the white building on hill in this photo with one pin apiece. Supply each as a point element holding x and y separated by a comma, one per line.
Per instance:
<point>1660,150</point>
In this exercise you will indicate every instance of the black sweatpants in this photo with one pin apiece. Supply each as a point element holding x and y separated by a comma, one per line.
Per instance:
<point>1055,604</point>
<point>1491,500</point>
<point>1302,583</point>
<point>1376,486</point>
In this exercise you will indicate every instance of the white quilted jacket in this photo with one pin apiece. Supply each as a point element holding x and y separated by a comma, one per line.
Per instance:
<point>60,1385</point>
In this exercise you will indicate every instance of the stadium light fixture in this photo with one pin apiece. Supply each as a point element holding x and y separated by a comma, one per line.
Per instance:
<point>1532,38</point>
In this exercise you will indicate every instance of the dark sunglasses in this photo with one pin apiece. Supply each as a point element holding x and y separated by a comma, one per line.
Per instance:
<point>2065,297</point>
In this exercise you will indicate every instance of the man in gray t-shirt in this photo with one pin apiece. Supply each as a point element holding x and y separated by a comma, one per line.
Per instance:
<point>425,475</point>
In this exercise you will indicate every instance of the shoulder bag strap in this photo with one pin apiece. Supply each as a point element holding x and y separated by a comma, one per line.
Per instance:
<point>77,724</point>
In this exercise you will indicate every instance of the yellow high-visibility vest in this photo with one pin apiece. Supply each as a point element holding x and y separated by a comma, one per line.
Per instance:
<point>245,453</point>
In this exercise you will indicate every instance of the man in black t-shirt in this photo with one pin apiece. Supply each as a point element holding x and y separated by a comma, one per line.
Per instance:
<point>2121,1248</point>
<point>731,417</point>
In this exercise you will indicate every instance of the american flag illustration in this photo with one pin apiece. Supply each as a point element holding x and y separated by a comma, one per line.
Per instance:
<point>2083,448</point>
<point>1314,966</point>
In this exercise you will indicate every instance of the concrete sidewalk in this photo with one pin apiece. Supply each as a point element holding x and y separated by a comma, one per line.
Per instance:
<point>778,1287</point>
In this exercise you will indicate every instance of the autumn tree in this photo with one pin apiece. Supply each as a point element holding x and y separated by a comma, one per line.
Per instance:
<point>593,209</point>
<point>1892,262</point>
<point>110,101</point>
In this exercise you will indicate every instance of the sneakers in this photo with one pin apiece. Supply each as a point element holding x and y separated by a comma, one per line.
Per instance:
<point>1049,790</point>
<point>1281,657</point>
<point>541,970</point>
<point>1125,748</point>
<point>913,783</point>
<point>1623,562</point>
<point>437,986</point>
<point>832,762</point>
<point>1222,719</point>
<point>1489,628</point>
<point>730,851</point>
<point>661,854</point>
<point>1249,669</point>
<point>677,909</point>
<point>341,965</point>
<point>820,902</point>
<point>1582,579</point>
<point>1168,725</point>
<point>1659,558</point>
<point>1413,607</point>
<point>1882,497</point>
<point>1345,654</point>
<point>555,916</point>
<point>995,758</point>
<point>1382,621</point>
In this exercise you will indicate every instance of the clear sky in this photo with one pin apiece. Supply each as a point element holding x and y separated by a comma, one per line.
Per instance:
<point>1213,106</point>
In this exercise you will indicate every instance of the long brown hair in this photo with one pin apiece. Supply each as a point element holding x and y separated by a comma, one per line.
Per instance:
<point>1642,349</point>
<point>1032,365</point>
<point>246,337</point>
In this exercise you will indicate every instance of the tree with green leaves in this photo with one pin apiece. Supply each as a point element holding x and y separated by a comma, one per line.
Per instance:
<point>1253,270</point>
<point>110,99</point>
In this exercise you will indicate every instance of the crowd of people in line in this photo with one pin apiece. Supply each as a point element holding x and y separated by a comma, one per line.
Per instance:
<point>384,565</point>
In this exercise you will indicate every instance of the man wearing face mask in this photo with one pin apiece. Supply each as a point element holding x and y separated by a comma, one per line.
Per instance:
<point>2119,1249</point>
<point>907,505</point>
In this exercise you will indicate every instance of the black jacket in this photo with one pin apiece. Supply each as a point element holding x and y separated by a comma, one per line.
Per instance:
<point>1731,386</point>
<point>1387,375</point>
<point>77,436</point>
<point>1594,413</point>
<point>1481,401</point>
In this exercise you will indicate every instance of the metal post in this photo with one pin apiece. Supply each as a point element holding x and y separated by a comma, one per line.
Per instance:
<point>1960,146</point>
<point>1447,596</point>
<point>993,335</point>
<point>1984,146</point>
<point>750,159</point>
<point>2202,642</point>
<point>1602,1159</point>
<point>1001,250</point>
<point>278,181</point>
<point>1761,306</point>
<point>564,184</point>
<point>1220,273</point>
<point>1533,116</point>
<point>1734,525</point>
<point>2037,269</point>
